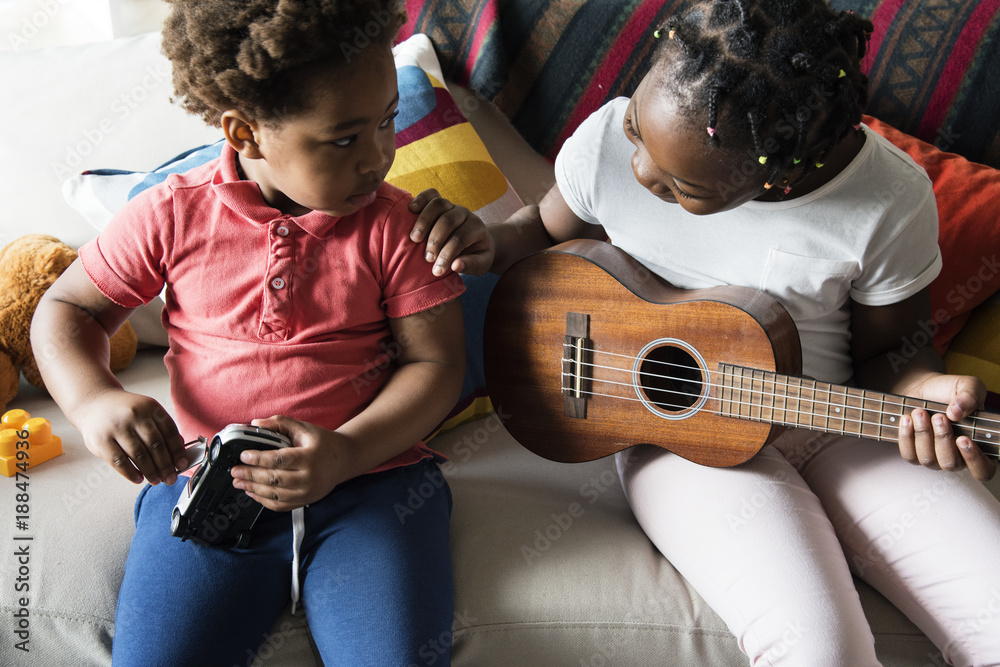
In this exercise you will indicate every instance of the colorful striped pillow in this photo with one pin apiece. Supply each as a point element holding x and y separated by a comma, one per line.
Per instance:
<point>932,71</point>
<point>547,66</point>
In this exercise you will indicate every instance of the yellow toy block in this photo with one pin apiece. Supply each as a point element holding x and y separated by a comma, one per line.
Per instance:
<point>14,419</point>
<point>41,447</point>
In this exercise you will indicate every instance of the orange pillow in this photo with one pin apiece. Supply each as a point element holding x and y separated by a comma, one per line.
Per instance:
<point>968,202</point>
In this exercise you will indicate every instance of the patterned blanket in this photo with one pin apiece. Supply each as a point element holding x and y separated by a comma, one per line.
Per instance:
<point>547,64</point>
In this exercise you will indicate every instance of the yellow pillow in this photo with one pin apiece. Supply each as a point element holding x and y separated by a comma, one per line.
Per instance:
<point>436,147</point>
<point>975,350</point>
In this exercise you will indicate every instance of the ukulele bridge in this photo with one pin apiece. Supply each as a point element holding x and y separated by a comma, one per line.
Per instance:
<point>576,364</point>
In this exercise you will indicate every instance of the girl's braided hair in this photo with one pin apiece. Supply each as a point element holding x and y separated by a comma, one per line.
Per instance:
<point>242,54</point>
<point>781,76</point>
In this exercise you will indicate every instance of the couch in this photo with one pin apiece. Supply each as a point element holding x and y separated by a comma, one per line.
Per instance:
<point>550,567</point>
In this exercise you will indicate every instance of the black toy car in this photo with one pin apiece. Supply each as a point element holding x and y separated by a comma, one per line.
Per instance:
<point>210,510</point>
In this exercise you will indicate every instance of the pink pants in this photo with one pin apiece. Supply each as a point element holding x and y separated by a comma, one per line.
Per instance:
<point>771,546</point>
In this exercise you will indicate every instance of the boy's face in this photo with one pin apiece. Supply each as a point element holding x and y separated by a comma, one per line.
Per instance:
<point>333,155</point>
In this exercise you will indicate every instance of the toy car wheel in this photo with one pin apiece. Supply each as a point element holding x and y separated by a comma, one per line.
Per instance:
<point>243,539</point>
<point>178,523</point>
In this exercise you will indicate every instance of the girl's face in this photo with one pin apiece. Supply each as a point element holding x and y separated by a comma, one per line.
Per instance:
<point>333,155</point>
<point>673,160</point>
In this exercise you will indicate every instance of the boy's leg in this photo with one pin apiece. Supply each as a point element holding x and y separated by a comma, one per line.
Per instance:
<point>755,542</point>
<point>183,603</point>
<point>377,582</point>
<point>928,540</point>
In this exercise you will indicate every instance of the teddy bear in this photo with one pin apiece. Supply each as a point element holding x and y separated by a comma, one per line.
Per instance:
<point>28,266</point>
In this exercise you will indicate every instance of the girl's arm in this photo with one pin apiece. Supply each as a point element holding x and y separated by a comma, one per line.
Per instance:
<point>471,247</point>
<point>424,386</point>
<point>69,334</point>
<point>456,237</point>
<point>887,359</point>
<point>535,228</point>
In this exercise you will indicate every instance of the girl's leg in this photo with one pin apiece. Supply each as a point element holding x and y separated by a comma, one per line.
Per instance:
<point>377,584</point>
<point>927,540</point>
<point>183,603</point>
<point>757,545</point>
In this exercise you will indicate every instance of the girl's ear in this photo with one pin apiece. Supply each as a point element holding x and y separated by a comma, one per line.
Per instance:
<point>241,134</point>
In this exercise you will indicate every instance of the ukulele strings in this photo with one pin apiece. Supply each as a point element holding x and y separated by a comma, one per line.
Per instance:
<point>739,403</point>
<point>990,448</point>
<point>759,392</point>
<point>991,432</point>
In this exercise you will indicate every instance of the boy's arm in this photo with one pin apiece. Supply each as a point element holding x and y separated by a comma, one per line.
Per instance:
<point>70,333</point>
<point>887,359</point>
<point>424,386</point>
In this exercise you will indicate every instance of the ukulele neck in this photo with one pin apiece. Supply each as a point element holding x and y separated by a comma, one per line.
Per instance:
<point>762,396</point>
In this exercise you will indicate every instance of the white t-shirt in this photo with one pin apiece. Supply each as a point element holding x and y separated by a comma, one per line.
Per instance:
<point>869,235</point>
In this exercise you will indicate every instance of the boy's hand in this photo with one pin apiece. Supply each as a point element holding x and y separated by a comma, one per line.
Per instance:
<point>456,237</point>
<point>930,440</point>
<point>135,435</point>
<point>291,477</point>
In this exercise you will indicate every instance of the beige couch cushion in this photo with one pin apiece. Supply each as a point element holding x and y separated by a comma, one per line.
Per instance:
<point>552,569</point>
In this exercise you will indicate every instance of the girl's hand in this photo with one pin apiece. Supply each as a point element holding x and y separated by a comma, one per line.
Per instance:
<point>456,238</point>
<point>930,440</point>
<point>291,477</point>
<point>135,435</point>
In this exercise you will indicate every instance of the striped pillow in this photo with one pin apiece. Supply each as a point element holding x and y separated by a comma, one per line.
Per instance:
<point>553,63</point>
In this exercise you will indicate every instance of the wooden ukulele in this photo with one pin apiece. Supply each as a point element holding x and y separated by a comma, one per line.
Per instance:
<point>589,353</point>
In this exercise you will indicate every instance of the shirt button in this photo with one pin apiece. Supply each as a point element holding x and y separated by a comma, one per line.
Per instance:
<point>278,283</point>
<point>282,231</point>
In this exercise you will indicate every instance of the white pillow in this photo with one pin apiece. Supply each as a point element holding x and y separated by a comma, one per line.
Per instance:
<point>36,24</point>
<point>83,107</point>
<point>134,17</point>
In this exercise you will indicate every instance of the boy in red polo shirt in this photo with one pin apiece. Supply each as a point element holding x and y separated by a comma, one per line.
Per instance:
<point>290,277</point>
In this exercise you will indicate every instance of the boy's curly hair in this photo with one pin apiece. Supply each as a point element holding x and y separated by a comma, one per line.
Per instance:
<point>242,54</point>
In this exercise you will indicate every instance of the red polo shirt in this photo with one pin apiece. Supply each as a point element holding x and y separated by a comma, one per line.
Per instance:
<point>267,313</point>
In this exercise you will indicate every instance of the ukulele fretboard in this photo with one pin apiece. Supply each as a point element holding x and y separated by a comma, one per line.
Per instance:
<point>762,396</point>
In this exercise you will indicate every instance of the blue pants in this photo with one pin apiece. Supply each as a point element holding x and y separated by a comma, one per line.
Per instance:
<point>375,572</point>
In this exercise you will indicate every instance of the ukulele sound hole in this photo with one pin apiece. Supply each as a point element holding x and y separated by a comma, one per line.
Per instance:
<point>670,378</point>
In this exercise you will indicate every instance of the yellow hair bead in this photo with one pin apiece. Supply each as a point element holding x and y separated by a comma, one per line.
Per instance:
<point>762,159</point>
<point>842,74</point>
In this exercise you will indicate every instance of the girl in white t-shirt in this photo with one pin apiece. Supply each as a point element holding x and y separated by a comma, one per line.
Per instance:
<point>741,159</point>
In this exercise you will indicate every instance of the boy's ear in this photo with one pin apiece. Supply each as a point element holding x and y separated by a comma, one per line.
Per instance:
<point>241,134</point>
